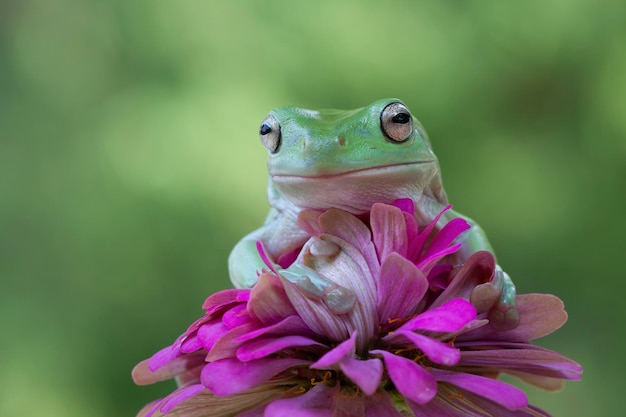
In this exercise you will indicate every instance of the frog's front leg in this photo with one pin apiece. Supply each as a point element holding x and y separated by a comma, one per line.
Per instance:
<point>245,262</point>
<point>503,315</point>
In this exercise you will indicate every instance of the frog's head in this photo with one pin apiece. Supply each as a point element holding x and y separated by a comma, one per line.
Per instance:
<point>349,159</point>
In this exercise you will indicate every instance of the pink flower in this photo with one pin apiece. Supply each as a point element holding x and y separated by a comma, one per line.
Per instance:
<point>413,340</point>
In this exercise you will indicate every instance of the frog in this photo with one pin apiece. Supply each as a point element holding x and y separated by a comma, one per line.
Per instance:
<point>350,160</point>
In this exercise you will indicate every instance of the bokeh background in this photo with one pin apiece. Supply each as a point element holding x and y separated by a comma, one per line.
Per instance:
<point>130,165</point>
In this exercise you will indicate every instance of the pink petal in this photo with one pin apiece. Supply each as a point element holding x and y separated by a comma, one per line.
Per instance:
<point>231,376</point>
<point>143,375</point>
<point>226,346</point>
<point>540,315</point>
<point>411,380</point>
<point>352,274</point>
<point>364,373</point>
<point>268,301</point>
<point>316,402</point>
<point>477,269</point>
<point>261,348</point>
<point>520,357</point>
<point>332,358</point>
<point>388,230</point>
<point>316,315</point>
<point>308,220</point>
<point>401,287</point>
<point>346,227</point>
<point>438,352</point>
<point>449,317</point>
<point>500,392</point>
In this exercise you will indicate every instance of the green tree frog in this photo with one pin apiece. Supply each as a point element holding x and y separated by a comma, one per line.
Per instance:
<point>349,160</point>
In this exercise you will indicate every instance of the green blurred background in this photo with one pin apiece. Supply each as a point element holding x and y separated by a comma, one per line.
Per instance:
<point>130,165</point>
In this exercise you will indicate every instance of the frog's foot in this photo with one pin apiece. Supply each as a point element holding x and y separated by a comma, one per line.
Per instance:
<point>497,297</point>
<point>314,285</point>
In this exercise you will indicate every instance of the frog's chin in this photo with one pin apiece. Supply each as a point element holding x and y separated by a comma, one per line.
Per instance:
<point>355,191</point>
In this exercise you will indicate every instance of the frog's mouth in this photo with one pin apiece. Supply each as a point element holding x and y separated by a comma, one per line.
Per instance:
<point>379,169</point>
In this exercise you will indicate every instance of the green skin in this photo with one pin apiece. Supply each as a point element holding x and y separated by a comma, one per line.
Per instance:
<point>345,159</point>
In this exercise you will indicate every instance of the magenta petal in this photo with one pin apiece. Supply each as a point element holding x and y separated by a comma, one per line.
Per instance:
<point>446,236</point>
<point>427,264</point>
<point>365,373</point>
<point>335,355</point>
<point>316,402</point>
<point>449,317</point>
<point>182,394</point>
<point>231,376</point>
<point>406,205</point>
<point>401,287</point>
<point>417,245</point>
<point>411,380</point>
<point>265,257</point>
<point>500,392</point>
<point>263,347</point>
<point>236,316</point>
<point>210,333</point>
<point>438,352</point>
<point>191,344</point>
<point>162,357</point>
<point>289,325</point>
<point>225,298</point>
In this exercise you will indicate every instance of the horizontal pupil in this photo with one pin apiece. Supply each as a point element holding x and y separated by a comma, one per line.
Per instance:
<point>402,118</point>
<point>265,129</point>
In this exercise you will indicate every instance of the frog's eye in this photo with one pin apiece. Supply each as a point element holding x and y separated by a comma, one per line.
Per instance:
<point>269,133</point>
<point>396,122</point>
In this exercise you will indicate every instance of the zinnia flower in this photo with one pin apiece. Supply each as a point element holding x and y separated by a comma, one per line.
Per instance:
<point>417,341</point>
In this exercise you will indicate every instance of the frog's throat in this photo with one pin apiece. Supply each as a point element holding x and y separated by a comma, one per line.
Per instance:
<point>355,191</point>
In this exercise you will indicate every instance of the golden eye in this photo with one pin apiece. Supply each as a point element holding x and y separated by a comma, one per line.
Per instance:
<point>269,133</point>
<point>396,122</point>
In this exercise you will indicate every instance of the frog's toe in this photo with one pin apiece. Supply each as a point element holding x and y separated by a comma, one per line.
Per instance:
<point>504,315</point>
<point>504,318</point>
<point>316,286</point>
<point>485,296</point>
<point>340,300</point>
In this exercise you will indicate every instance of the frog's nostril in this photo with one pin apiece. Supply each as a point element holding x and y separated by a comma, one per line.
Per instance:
<point>341,141</point>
